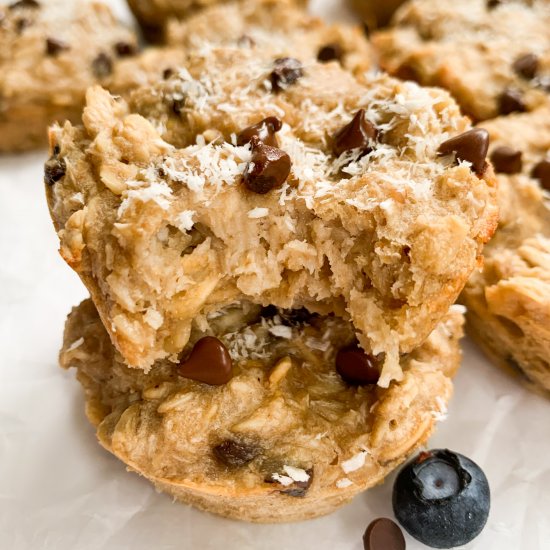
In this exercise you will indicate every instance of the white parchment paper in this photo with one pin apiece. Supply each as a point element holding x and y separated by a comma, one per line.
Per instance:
<point>59,490</point>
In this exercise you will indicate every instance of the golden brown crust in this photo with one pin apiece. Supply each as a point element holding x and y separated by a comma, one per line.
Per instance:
<point>285,403</point>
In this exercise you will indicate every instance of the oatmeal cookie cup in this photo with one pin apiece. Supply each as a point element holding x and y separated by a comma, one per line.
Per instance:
<point>279,29</point>
<point>509,300</point>
<point>153,15</point>
<point>494,57</point>
<point>281,182</point>
<point>283,437</point>
<point>50,53</point>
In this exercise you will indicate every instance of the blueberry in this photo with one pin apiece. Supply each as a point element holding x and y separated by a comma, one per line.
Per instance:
<point>441,498</point>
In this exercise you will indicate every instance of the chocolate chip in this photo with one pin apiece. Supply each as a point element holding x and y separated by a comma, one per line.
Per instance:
<point>22,24</point>
<point>264,130</point>
<point>24,4</point>
<point>54,170</point>
<point>541,172</point>
<point>357,367</point>
<point>407,72</point>
<point>269,168</point>
<point>125,49</point>
<point>491,4</point>
<point>167,73</point>
<point>178,105</point>
<point>102,65</point>
<point>471,146</point>
<point>295,317</point>
<point>209,362</point>
<point>54,46</point>
<point>506,160</point>
<point>286,71</point>
<point>330,52</point>
<point>299,488</point>
<point>526,66</point>
<point>267,312</point>
<point>383,534</point>
<point>235,454</point>
<point>360,133</point>
<point>511,101</point>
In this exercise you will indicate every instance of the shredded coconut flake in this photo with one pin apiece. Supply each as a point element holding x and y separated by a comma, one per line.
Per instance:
<point>297,474</point>
<point>343,483</point>
<point>184,220</point>
<point>258,213</point>
<point>283,480</point>
<point>355,462</point>
<point>76,344</point>
<point>281,331</point>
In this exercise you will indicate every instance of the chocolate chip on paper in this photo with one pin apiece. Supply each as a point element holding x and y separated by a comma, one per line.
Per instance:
<point>383,534</point>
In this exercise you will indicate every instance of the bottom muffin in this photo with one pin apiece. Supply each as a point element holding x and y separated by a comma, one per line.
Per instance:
<point>288,422</point>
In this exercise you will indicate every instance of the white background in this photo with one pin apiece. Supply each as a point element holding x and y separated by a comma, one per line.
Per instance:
<point>59,490</point>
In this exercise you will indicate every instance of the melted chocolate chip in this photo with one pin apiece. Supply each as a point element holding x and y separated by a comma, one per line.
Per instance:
<point>269,168</point>
<point>209,362</point>
<point>506,160</point>
<point>471,146</point>
<point>55,47</point>
<point>356,367</point>
<point>541,172</point>
<point>54,170</point>
<point>102,66</point>
<point>526,66</point>
<point>360,133</point>
<point>235,453</point>
<point>24,4</point>
<point>178,105</point>
<point>330,52</point>
<point>264,130</point>
<point>492,4</point>
<point>299,488</point>
<point>286,71</point>
<point>167,73</point>
<point>125,49</point>
<point>384,534</point>
<point>511,101</point>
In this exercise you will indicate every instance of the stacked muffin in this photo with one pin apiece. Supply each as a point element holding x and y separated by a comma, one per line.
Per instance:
<point>273,239</point>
